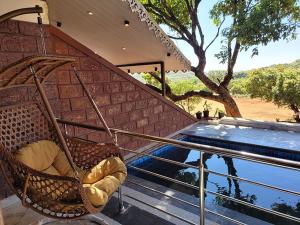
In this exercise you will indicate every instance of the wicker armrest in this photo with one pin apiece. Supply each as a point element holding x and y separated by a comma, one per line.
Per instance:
<point>86,155</point>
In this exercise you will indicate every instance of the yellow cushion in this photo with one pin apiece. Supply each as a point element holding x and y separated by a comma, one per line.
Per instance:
<point>105,167</point>
<point>104,179</point>
<point>62,164</point>
<point>97,197</point>
<point>38,155</point>
<point>52,171</point>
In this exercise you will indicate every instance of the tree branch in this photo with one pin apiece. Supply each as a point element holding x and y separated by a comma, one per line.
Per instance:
<point>175,98</point>
<point>231,64</point>
<point>217,35</point>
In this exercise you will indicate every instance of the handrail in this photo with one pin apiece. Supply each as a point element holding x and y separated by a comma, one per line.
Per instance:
<point>18,12</point>
<point>285,163</point>
<point>289,164</point>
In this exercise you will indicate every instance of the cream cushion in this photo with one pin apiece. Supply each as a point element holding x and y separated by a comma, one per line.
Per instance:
<point>38,155</point>
<point>99,183</point>
<point>104,179</point>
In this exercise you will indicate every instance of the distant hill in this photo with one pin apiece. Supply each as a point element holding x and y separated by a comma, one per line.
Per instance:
<point>174,76</point>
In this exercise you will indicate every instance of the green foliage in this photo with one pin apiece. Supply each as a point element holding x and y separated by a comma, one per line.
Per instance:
<point>178,8</point>
<point>180,87</point>
<point>216,75</point>
<point>279,85</point>
<point>258,22</point>
<point>238,87</point>
<point>151,80</point>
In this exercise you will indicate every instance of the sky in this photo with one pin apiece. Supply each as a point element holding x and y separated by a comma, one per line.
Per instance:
<point>274,53</point>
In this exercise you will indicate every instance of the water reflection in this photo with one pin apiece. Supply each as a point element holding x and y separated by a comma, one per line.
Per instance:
<point>225,186</point>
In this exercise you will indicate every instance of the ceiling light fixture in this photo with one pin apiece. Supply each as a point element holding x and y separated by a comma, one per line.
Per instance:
<point>126,23</point>
<point>90,13</point>
<point>123,48</point>
<point>168,54</point>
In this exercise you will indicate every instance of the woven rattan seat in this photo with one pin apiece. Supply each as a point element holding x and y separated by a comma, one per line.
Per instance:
<point>20,124</point>
<point>53,196</point>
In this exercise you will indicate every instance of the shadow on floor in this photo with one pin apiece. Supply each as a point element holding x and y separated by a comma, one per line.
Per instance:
<point>132,215</point>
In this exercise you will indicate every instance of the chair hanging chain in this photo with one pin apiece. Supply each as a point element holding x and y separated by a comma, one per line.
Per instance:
<point>40,22</point>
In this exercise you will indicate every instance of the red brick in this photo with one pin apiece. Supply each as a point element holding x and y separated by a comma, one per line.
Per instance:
<point>148,112</point>
<point>60,47</point>
<point>102,100</point>
<point>102,76</point>
<point>74,51</point>
<point>128,106</point>
<point>29,44</point>
<point>118,98</point>
<point>131,126</point>
<point>70,91</point>
<point>11,43</point>
<point>153,101</point>
<point>112,87</point>
<point>80,103</point>
<point>132,145</point>
<point>135,115</point>
<point>121,119</point>
<point>127,86</point>
<point>74,115</point>
<point>164,133</point>
<point>159,125</point>
<point>51,91</point>
<point>117,77</point>
<point>62,77</point>
<point>133,96</point>
<point>142,123</point>
<point>114,110</point>
<point>32,29</point>
<point>145,95</point>
<point>62,105</point>
<point>153,118</point>
<point>9,26</point>
<point>12,57</point>
<point>149,129</point>
<point>85,76</point>
<point>141,104</point>
<point>158,109</point>
<point>87,63</point>
<point>65,105</point>
<point>95,89</point>
<point>94,137</point>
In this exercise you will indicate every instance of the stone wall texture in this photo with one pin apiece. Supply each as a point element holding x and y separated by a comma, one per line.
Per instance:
<point>125,102</point>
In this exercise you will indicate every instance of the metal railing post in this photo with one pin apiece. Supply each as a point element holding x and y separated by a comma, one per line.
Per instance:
<point>201,190</point>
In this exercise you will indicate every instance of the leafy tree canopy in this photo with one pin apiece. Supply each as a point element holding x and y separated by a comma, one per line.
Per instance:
<point>279,85</point>
<point>249,24</point>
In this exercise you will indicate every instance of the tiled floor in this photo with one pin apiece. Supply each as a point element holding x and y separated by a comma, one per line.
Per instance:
<point>136,213</point>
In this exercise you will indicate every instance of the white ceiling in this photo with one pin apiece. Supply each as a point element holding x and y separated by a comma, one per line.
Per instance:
<point>10,5</point>
<point>104,31</point>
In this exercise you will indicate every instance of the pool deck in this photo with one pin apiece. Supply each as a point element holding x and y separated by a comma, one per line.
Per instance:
<point>265,137</point>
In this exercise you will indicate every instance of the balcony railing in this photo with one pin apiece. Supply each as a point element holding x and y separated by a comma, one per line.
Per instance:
<point>288,164</point>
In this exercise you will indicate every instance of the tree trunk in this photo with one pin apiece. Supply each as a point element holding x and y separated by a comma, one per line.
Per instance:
<point>230,105</point>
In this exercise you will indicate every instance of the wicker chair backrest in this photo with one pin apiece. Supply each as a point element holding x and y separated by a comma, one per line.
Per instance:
<point>23,124</point>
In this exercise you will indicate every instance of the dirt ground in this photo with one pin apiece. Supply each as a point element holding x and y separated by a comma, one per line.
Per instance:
<point>254,109</point>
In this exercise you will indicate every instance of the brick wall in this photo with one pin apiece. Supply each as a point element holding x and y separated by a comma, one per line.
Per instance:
<point>125,103</point>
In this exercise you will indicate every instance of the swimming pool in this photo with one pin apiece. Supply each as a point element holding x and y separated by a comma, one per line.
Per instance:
<point>272,199</point>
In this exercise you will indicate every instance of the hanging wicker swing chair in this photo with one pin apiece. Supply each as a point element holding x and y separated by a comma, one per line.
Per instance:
<point>59,197</point>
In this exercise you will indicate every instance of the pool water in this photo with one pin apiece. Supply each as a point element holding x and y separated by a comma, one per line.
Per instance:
<point>268,198</point>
